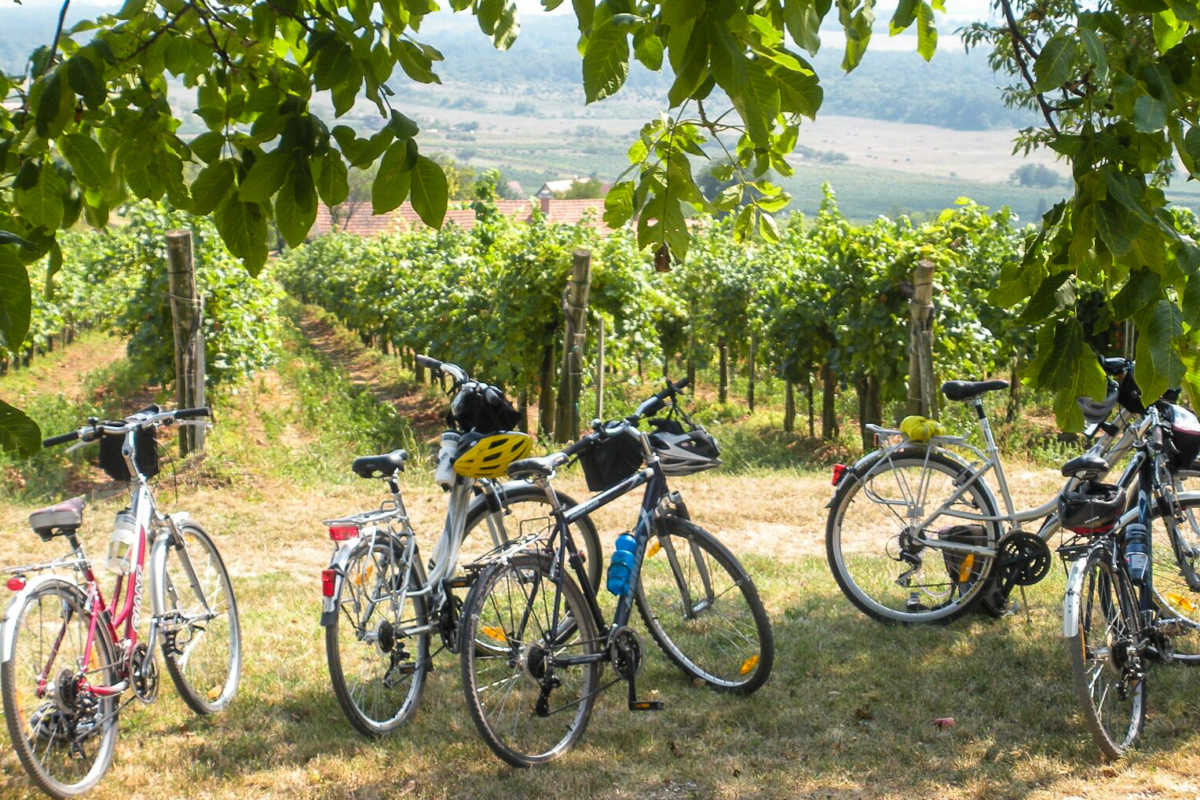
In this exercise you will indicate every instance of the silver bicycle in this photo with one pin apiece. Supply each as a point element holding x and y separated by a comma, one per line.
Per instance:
<point>382,608</point>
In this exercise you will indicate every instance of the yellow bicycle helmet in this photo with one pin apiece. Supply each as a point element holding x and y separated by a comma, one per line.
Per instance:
<point>488,455</point>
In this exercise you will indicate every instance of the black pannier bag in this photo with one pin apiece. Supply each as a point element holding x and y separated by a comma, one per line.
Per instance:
<point>1185,434</point>
<point>608,462</point>
<point>113,463</point>
<point>483,408</point>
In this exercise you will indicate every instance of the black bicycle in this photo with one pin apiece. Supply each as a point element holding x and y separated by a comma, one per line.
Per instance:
<point>533,638</point>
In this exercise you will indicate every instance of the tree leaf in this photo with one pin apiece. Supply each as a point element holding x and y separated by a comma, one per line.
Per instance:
<point>87,159</point>
<point>265,177</point>
<point>605,63</point>
<point>905,14</point>
<point>429,192</point>
<point>1149,115</point>
<point>1095,53</point>
<point>15,299</point>
<point>618,204</point>
<point>243,228</point>
<point>1159,367</point>
<point>648,48</point>
<point>211,186</point>
<point>85,80</point>
<point>18,433</point>
<point>926,31</point>
<point>54,105</point>
<point>42,204</point>
<point>333,179</point>
<point>296,203</point>
<point>1053,65</point>
<point>393,180</point>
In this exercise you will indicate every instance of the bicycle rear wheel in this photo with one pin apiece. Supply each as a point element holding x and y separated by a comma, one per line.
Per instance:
<point>1175,552</point>
<point>198,618</point>
<point>529,704</point>
<point>376,677</point>
<point>871,538</point>
<point>63,734</point>
<point>702,608</point>
<point>1109,680</point>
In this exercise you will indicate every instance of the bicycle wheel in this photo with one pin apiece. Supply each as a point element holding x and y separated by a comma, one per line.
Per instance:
<point>1108,673</point>
<point>198,619</point>
<point>377,670</point>
<point>63,733</point>
<point>527,512</point>
<point>703,610</point>
<point>528,705</point>
<point>871,538</point>
<point>1175,553</point>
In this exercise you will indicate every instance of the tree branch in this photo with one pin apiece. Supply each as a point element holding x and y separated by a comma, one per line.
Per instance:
<point>1018,41</point>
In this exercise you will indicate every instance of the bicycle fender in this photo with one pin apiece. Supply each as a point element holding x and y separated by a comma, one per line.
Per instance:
<point>1071,596</point>
<point>8,633</point>
<point>338,564</point>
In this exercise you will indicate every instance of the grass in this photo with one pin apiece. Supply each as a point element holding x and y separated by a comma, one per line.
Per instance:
<point>848,711</point>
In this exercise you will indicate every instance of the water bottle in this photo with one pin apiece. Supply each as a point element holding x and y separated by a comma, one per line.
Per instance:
<point>122,542</point>
<point>621,568</point>
<point>444,476</point>
<point>1137,552</point>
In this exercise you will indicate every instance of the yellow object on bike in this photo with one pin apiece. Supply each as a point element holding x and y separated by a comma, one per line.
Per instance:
<point>920,429</point>
<point>490,455</point>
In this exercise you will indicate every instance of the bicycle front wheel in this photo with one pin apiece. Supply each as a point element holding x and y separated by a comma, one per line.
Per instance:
<point>702,608</point>
<point>63,733</point>
<point>1109,679</point>
<point>198,619</point>
<point>1175,552</point>
<point>873,539</point>
<point>530,659</point>
<point>376,666</point>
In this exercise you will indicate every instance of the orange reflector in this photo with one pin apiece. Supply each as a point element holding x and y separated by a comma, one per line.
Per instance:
<point>1175,598</point>
<point>749,664</point>
<point>495,633</point>
<point>964,569</point>
<point>364,576</point>
<point>653,548</point>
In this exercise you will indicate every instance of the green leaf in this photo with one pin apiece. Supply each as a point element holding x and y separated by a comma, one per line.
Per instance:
<point>296,203</point>
<point>1159,366</point>
<point>402,126</point>
<point>905,14</point>
<point>42,204</point>
<point>618,204</point>
<point>1068,366</point>
<point>1053,65</point>
<point>393,180</point>
<point>54,106</point>
<point>1115,227</point>
<point>648,49</point>
<point>1149,115</point>
<point>585,11</point>
<point>803,22</point>
<point>1143,288</point>
<point>265,177</point>
<point>429,192</point>
<point>926,31</point>
<point>208,146</point>
<point>415,63</point>
<point>132,9</point>
<point>85,80</point>
<point>15,299</point>
<point>1169,30</point>
<point>605,63</point>
<point>333,180</point>
<point>1095,53</point>
<point>799,93</point>
<point>87,159</point>
<point>18,433</point>
<point>212,185</point>
<point>243,228</point>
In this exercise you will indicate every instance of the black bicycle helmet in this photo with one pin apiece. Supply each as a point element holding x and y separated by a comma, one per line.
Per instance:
<point>685,453</point>
<point>1091,507</point>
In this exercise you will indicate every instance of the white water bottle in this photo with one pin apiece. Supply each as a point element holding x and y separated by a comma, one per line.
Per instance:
<point>122,542</point>
<point>444,476</point>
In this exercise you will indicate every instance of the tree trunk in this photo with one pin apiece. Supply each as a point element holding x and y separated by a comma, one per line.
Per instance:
<point>523,409</point>
<point>808,388</point>
<point>723,379</point>
<point>829,426</point>
<point>546,391</point>
<point>870,409</point>
<point>753,357</point>
<point>574,338</point>
<point>789,407</point>
<point>1014,392</point>
<point>691,353</point>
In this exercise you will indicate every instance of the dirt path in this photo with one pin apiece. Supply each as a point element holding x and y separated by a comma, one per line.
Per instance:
<point>64,371</point>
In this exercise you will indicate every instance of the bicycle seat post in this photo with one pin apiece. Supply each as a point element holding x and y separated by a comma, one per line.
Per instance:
<point>993,453</point>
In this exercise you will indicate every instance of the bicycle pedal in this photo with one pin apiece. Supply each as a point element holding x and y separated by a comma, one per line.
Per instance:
<point>458,582</point>
<point>646,705</point>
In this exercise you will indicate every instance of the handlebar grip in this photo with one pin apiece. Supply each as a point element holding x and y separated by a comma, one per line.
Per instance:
<point>60,439</point>
<point>682,383</point>
<point>188,413</point>
<point>575,447</point>
<point>427,361</point>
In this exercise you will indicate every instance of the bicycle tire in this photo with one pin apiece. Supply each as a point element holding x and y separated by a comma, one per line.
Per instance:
<point>1175,548</point>
<point>1113,706</point>
<point>198,620</point>
<point>688,584</point>
<point>861,531</point>
<point>510,611</point>
<point>31,718</point>
<point>528,511</point>
<point>362,647</point>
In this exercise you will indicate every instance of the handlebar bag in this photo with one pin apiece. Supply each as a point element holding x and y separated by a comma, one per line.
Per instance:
<point>482,408</point>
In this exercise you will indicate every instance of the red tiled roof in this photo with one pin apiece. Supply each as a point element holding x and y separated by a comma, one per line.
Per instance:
<point>364,223</point>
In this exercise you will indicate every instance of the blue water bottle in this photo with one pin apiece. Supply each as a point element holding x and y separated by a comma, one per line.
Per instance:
<point>1137,556</point>
<point>621,567</point>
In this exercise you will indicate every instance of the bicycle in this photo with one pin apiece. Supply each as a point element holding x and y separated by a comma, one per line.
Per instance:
<point>380,607</point>
<point>533,640</point>
<point>908,500</point>
<point>1116,621</point>
<point>67,656</point>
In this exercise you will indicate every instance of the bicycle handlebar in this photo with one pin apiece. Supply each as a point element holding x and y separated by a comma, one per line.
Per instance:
<point>60,439</point>
<point>456,373</point>
<point>653,404</point>
<point>150,416</point>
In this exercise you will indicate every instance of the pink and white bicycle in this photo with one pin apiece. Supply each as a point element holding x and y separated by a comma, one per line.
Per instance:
<point>70,661</point>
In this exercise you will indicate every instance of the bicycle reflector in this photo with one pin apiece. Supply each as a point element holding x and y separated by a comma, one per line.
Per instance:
<point>340,533</point>
<point>16,583</point>
<point>328,581</point>
<point>838,471</point>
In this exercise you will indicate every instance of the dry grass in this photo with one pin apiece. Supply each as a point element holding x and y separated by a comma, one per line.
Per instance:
<point>847,713</point>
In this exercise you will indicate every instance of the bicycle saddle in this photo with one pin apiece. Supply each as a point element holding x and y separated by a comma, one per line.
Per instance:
<point>385,464</point>
<point>534,467</point>
<point>66,516</point>
<point>965,390</point>
<point>1088,466</point>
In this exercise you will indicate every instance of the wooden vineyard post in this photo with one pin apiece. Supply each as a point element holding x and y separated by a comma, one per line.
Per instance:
<point>187,311</point>
<point>575,301</point>
<point>600,368</point>
<point>922,398</point>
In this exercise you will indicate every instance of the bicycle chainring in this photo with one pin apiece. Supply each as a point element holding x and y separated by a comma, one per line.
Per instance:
<point>1022,559</point>
<point>143,673</point>
<point>449,614</point>
<point>626,653</point>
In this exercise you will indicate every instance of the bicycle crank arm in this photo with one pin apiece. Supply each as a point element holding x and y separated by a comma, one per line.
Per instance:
<point>642,705</point>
